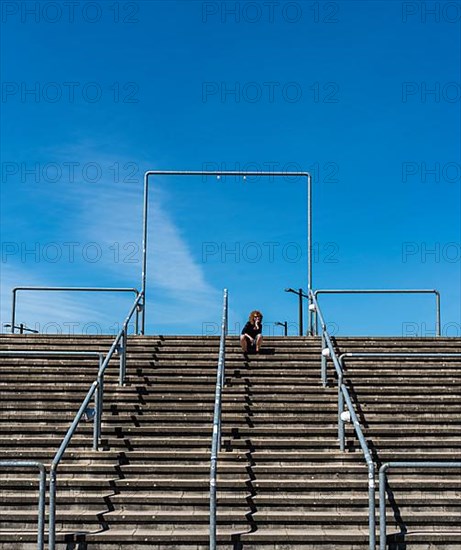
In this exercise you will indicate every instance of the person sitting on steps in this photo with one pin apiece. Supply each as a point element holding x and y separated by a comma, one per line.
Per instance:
<point>251,337</point>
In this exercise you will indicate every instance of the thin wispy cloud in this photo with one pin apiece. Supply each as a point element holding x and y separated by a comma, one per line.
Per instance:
<point>176,282</point>
<point>104,223</point>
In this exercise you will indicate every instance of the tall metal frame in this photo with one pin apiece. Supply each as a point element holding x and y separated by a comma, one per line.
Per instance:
<point>221,173</point>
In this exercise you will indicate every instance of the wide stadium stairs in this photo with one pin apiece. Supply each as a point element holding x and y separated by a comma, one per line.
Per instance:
<point>282,481</point>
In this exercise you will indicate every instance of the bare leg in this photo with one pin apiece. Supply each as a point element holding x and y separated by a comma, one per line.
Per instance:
<point>244,343</point>
<point>259,342</point>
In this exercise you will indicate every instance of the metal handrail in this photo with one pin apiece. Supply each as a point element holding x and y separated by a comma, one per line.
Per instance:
<point>41,494</point>
<point>67,289</point>
<point>341,434</point>
<point>382,489</point>
<point>343,393</point>
<point>216,440</point>
<point>22,328</point>
<point>386,291</point>
<point>118,346</point>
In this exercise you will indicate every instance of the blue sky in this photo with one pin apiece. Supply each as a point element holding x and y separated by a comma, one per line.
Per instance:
<point>365,95</point>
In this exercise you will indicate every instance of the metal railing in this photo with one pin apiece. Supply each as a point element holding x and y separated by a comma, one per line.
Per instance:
<point>21,327</point>
<point>382,489</point>
<point>224,173</point>
<point>383,291</point>
<point>118,346</point>
<point>68,289</point>
<point>41,493</point>
<point>328,351</point>
<point>377,355</point>
<point>216,439</point>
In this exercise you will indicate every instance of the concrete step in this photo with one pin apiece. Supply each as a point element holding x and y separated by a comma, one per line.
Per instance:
<point>280,470</point>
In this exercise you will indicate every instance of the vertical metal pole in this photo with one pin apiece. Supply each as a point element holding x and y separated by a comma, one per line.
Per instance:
<point>13,311</point>
<point>371,505</point>
<point>213,499</point>
<point>382,507</point>
<point>41,509</point>
<point>125,342</point>
<point>300,313</point>
<point>52,510</point>
<point>97,398</point>
<point>97,413</point>
<point>144,252</point>
<point>122,351</point>
<point>99,404</point>
<point>437,307</point>
<point>309,248</point>
<point>323,368</point>
<point>341,427</point>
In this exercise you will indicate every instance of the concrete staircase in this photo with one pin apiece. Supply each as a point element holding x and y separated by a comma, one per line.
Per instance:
<point>282,481</point>
<point>410,410</point>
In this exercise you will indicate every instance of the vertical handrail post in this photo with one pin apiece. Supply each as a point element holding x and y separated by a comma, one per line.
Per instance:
<point>324,360</point>
<point>341,423</point>
<point>300,312</point>
<point>98,407</point>
<point>371,504</point>
<point>438,314</point>
<point>41,508</point>
<point>136,322</point>
<point>309,248</point>
<point>52,510</point>
<point>13,311</point>
<point>122,352</point>
<point>144,250</point>
<point>124,346</point>
<point>382,506</point>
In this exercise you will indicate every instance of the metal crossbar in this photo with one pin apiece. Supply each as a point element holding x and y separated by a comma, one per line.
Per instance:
<point>41,493</point>
<point>382,489</point>
<point>380,291</point>
<point>67,289</point>
<point>328,351</point>
<point>216,440</point>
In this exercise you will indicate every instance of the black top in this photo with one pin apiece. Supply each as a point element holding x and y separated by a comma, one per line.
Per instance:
<point>251,330</point>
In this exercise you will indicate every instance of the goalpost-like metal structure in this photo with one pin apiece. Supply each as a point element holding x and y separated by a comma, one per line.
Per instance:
<point>222,173</point>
